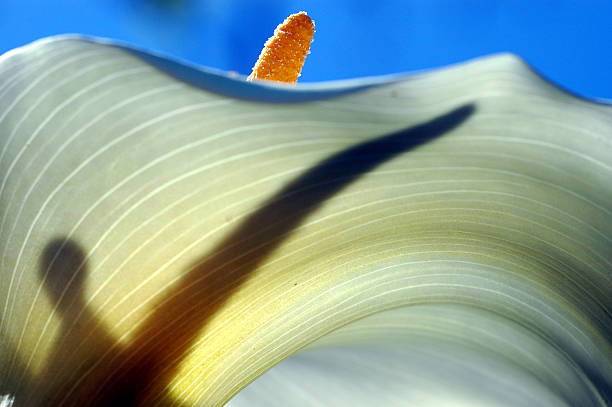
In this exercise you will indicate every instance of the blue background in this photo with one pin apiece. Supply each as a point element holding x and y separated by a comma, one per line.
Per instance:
<point>568,41</point>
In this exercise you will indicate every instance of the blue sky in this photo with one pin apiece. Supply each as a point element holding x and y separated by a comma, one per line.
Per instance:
<point>568,41</point>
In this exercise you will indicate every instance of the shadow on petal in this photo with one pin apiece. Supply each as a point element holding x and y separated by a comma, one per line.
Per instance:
<point>138,373</point>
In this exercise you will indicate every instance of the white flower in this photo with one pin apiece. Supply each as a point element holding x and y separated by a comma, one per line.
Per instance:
<point>167,235</point>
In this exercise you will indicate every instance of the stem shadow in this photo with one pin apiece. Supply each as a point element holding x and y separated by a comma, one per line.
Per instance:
<point>138,373</point>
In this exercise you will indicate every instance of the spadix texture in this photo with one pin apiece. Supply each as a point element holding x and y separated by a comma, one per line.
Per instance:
<point>167,235</point>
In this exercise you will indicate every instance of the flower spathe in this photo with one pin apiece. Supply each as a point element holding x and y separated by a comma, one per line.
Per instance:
<point>166,237</point>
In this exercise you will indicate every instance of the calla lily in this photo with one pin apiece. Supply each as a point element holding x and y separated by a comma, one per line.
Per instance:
<point>169,235</point>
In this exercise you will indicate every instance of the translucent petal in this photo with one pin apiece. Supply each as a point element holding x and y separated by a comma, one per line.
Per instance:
<point>168,234</point>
